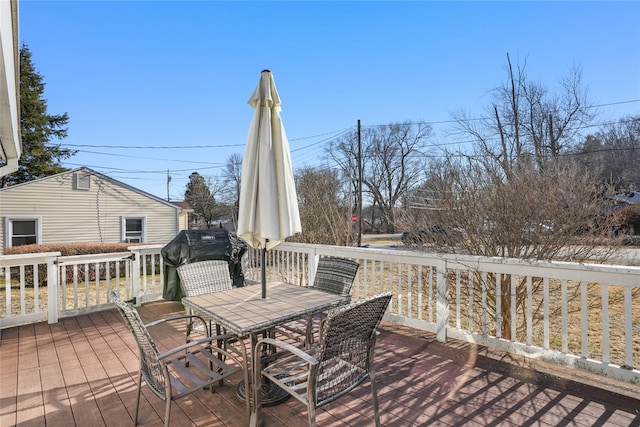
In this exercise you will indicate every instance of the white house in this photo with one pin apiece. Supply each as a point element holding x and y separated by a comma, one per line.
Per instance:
<point>83,205</point>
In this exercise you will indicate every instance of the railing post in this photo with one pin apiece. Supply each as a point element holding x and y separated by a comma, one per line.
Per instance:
<point>53,286</point>
<point>442,301</point>
<point>313,265</point>
<point>135,277</point>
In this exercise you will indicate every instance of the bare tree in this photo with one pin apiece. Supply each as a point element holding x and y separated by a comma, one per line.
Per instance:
<point>324,209</point>
<point>554,214</point>
<point>613,153</point>
<point>517,195</point>
<point>536,215</point>
<point>525,120</point>
<point>393,163</point>
<point>230,190</point>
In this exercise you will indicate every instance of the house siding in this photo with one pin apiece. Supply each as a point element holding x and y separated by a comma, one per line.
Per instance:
<point>94,215</point>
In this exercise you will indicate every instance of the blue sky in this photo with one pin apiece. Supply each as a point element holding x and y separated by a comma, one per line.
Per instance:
<point>155,74</point>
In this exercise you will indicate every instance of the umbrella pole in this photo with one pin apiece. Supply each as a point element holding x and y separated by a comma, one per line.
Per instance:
<point>264,272</point>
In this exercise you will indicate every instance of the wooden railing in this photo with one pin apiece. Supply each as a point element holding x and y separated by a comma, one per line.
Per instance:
<point>577,315</point>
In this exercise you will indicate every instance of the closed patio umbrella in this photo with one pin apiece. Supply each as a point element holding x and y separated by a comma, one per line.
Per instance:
<point>268,208</point>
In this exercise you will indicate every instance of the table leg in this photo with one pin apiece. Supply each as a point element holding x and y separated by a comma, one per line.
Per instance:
<point>271,393</point>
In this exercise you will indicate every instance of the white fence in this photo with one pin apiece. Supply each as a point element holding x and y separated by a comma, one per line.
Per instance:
<point>47,286</point>
<point>578,315</point>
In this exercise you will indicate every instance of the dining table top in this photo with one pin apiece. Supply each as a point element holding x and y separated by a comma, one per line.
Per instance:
<point>243,311</point>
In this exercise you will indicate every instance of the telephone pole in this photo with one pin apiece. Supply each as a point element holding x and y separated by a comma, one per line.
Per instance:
<point>359,241</point>
<point>168,181</point>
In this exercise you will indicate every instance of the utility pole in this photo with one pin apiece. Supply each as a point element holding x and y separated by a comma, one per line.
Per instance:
<point>168,181</point>
<point>359,241</point>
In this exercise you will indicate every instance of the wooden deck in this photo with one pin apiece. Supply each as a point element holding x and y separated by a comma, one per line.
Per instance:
<point>82,371</point>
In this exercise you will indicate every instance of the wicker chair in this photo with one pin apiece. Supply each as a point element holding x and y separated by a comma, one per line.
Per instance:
<point>342,359</point>
<point>204,277</point>
<point>168,374</point>
<point>334,275</point>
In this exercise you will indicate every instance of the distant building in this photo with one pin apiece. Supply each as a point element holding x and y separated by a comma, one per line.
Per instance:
<point>186,215</point>
<point>83,205</point>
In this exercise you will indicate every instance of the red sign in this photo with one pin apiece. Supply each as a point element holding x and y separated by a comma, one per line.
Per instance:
<point>354,218</point>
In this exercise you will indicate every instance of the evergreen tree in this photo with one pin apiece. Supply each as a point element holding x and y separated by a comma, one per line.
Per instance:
<point>38,128</point>
<point>199,196</point>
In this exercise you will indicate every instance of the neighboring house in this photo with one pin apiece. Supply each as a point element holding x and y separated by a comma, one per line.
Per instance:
<point>83,205</point>
<point>10,145</point>
<point>185,214</point>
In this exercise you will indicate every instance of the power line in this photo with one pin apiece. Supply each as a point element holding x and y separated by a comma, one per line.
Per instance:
<point>162,171</point>
<point>490,118</point>
<point>145,147</point>
<point>333,135</point>
<point>146,157</point>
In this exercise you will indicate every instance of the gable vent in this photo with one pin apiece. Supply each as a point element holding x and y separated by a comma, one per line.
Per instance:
<point>82,181</point>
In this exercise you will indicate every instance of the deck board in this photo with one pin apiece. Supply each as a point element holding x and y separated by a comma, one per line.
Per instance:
<point>83,370</point>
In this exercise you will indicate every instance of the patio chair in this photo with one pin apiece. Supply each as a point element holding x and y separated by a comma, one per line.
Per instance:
<point>342,359</point>
<point>334,275</point>
<point>168,374</point>
<point>204,277</point>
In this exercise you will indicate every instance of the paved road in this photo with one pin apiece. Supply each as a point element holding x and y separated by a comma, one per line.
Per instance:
<point>625,256</point>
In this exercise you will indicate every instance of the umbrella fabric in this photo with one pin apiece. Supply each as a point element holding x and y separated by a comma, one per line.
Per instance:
<point>268,211</point>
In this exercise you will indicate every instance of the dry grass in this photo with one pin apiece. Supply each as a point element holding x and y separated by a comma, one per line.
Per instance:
<point>87,294</point>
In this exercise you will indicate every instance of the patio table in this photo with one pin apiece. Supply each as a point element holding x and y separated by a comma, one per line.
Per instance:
<point>244,312</point>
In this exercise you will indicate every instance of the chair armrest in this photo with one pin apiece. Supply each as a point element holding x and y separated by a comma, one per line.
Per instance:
<point>172,318</point>
<point>196,343</point>
<point>286,347</point>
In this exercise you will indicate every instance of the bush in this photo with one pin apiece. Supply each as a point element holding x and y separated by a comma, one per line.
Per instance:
<point>67,249</point>
<point>628,218</point>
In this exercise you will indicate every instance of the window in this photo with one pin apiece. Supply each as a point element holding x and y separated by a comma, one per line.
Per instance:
<point>83,181</point>
<point>133,229</point>
<point>22,231</point>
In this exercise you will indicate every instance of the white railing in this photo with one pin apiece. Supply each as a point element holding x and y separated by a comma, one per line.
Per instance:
<point>47,286</point>
<point>86,280</point>
<point>149,283</point>
<point>579,315</point>
<point>29,285</point>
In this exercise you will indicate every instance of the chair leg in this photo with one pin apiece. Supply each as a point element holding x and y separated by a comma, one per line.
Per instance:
<point>256,410</point>
<point>189,326</point>
<point>374,395</point>
<point>188,334</point>
<point>309,332</point>
<point>311,409</point>
<point>167,412</point>
<point>135,421</point>
<point>220,355</point>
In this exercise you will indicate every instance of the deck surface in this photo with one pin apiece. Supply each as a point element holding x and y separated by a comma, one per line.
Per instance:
<point>82,371</point>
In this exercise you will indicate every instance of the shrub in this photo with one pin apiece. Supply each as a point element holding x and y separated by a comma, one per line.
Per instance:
<point>67,249</point>
<point>628,218</point>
